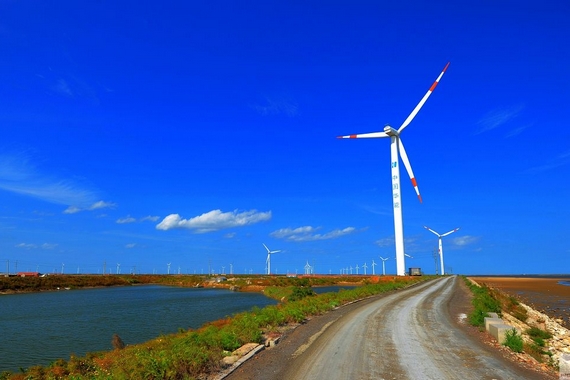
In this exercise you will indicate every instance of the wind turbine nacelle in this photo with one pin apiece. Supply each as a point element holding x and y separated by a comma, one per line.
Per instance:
<point>390,131</point>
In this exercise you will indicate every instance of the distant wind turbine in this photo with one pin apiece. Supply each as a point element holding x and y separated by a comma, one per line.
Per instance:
<point>441,244</point>
<point>383,265</point>
<point>373,265</point>
<point>365,267</point>
<point>307,268</point>
<point>396,146</point>
<point>268,260</point>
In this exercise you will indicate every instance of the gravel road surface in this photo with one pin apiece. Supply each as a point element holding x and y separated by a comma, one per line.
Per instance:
<point>408,334</point>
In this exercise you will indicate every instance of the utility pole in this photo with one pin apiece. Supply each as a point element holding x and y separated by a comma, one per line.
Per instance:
<point>435,257</point>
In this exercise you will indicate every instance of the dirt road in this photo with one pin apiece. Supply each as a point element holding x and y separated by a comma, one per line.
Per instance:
<point>408,334</point>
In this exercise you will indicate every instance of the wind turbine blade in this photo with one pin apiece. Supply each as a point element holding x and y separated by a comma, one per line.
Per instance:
<point>430,230</point>
<point>450,232</point>
<point>266,248</point>
<point>275,251</point>
<point>421,103</point>
<point>371,135</point>
<point>406,162</point>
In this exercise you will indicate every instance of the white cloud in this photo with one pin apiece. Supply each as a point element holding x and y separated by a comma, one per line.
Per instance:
<point>561,160</point>
<point>130,219</point>
<point>18,175</point>
<point>276,107</point>
<point>386,242</point>
<point>95,206</point>
<point>308,233</point>
<point>131,245</point>
<point>101,204</point>
<point>465,240</point>
<point>62,88</point>
<point>497,118</point>
<point>35,246</point>
<point>126,220</point>
<point>214,220</point>
<point>150,218</point>
<point>26,246</point>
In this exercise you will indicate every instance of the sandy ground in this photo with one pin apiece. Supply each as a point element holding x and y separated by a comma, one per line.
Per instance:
<point>542,294</point>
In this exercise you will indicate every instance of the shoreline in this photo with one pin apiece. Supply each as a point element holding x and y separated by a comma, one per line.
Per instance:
<point>543,294</point>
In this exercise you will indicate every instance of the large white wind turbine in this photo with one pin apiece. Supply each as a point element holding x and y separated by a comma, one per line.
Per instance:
<point>268,260</point>
<point>441,245</point>
<point>396,146</point>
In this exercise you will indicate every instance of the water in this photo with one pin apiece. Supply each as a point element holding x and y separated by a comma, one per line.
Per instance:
<point>332,288</point>
<point>38,328</point>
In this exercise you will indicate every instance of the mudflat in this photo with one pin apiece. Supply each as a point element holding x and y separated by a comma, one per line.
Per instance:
<point>548,295</point>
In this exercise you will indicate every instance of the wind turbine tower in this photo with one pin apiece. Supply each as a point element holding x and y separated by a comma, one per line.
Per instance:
<point>441,245</point>
<point>396,146</point>
<point>383,265</point>
<point>373,265</point>
<point>307,268</point>
<point>268,260</point>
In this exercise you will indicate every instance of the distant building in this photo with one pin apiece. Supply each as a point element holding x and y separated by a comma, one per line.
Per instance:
<point>28,274</point>
<point>415,271</point>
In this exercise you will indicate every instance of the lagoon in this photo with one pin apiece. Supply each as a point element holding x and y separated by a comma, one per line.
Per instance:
<point>38,328</point>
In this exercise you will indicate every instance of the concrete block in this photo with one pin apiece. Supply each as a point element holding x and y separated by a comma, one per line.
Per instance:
<point>499,331</point>
<point>492,315</point>
<point>491,320</point>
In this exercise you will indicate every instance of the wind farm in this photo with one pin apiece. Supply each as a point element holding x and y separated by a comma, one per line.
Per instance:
<point>157,144</point>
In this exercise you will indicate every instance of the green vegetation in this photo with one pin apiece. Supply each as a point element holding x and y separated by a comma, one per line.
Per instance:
<point>536,348</point>
<point>513,340</point>
<point>492,300</point>
<point>512,306</point>
<point>484,301</point>
<point>195,353</point>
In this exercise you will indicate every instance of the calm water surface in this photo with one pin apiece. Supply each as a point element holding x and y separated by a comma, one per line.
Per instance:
<point>38,328</point>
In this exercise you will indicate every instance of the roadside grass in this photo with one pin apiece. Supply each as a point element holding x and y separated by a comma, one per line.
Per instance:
<point>487,300</point>
<point>513,340</point>
<point>484,301</point>
<point>193,354</point>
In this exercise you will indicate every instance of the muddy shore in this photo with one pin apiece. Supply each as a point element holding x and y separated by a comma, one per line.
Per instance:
<point>547,295</point>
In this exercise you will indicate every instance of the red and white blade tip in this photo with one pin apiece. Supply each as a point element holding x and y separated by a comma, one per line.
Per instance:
<point>422,101</point>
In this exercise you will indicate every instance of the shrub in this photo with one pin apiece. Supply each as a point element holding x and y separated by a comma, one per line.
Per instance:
<point>535,332</point>
<point>513,340</point>
<point>300,292</point>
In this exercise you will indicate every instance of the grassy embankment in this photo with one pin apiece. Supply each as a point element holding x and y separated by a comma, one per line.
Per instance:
<point>486,300</point>
<point>193,353</point>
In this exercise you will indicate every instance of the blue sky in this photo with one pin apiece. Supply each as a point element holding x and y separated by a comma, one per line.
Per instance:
<point>192,132</point>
